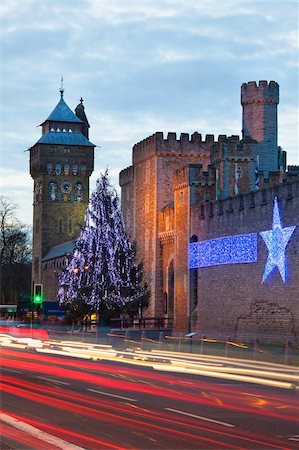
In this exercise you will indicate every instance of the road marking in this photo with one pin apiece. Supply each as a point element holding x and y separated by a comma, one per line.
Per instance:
<point>200,417</point>
<point>113,395</point>
<point>11,370</point>
<point>54,381</point>
<point>39,434</point>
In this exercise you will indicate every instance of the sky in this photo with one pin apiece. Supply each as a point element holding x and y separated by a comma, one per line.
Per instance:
<point>141,67</point>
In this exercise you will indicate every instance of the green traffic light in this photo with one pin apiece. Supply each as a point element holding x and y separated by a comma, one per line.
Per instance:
<point>37,299</point>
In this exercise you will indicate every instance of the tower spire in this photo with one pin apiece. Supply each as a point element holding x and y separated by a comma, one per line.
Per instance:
<point>61,87</point>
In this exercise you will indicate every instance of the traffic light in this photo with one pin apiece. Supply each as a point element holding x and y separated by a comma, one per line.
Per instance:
<point>38,294</point>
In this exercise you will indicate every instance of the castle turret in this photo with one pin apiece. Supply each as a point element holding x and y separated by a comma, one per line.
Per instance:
<point>61,163</point>
<point>80,113</point>
<point>259,123</point>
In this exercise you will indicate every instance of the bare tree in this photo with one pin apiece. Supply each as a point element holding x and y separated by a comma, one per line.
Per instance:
<point>15,239</point>
<point>15,254</point>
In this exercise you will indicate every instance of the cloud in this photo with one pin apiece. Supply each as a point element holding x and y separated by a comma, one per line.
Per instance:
<point>141,67</point>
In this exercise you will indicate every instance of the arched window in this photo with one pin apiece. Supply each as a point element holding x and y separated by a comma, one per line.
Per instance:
<point>78,192</point>
<point>53,191</point>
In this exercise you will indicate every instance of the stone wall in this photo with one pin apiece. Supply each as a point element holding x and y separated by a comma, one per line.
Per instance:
<point>147,188</point>
<point>236,290</point>
<point>57,220</point>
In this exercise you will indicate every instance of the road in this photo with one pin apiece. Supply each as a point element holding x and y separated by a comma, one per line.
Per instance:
<point>114,400</point>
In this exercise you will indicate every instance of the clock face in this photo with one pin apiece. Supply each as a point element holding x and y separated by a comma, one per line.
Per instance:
<point>66,187</point>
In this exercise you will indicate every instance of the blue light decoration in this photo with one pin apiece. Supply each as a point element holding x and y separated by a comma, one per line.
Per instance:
<point>276,241</point>
<point>224,250</point>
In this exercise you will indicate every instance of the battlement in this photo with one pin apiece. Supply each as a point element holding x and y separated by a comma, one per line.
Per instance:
<point>231,207</point>
<point>194,174</point>
<point>185,145</point>
<point>158,142</point>
<point>264,92</point>
<point>293,171</point>
<point>126,176</point>
<point>232,148</point>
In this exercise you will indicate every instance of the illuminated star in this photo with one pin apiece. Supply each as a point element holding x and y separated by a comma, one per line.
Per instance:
<point>276,241</point>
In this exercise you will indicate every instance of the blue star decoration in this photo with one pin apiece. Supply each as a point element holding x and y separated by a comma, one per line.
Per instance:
<point>276,241</point>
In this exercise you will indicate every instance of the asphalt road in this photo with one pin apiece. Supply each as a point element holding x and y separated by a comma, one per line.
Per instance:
<point>54,401</point>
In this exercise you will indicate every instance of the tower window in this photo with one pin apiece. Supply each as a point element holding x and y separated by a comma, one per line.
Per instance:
<point>53,191</point>
<point>70,226</point>
<point>78,192</point>
<point>60,225</point>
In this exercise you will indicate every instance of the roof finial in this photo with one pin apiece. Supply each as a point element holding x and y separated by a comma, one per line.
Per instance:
<point>61,87</point>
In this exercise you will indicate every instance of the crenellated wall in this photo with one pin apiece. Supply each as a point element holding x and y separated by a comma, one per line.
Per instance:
<point>184,146</point>
<point>169,197</point>
<point>259,121</point>
<point>147,188</point>
<point>237,289</point>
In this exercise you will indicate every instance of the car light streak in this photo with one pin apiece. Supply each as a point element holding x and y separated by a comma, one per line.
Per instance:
<point>243,378</point>
<point>135,373</point>
<point>193,424</point>
<point>237,370</point>
<point>134,386</point>
<point>99,415</point>
<point>197,365</point>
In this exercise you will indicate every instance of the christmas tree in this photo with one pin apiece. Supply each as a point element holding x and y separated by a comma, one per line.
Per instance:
<point>101,273</point>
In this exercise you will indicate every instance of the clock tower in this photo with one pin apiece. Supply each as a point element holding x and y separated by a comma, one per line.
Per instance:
<point>61,163</point>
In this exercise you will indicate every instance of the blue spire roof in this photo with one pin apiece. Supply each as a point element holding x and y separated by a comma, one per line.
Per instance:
<point>62,113</point>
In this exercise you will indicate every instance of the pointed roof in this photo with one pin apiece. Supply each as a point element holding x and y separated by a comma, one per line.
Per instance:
<point>80,112</point>
<point>66,138</point>
<point>62,113</point>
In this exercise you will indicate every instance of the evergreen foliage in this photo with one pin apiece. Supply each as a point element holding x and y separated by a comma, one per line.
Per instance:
<point>101,273</point>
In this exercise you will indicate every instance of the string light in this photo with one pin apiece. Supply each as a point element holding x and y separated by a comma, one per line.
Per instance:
<point>276,241</point>
<point>243,248</point>
<point>94,273</point>
<point>224,250</point>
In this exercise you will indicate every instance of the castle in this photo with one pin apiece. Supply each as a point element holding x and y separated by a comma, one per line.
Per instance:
<point>215,221</point>
<point>216,225</point>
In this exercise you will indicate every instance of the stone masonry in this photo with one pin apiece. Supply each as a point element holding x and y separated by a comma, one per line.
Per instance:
<point>169,199</point>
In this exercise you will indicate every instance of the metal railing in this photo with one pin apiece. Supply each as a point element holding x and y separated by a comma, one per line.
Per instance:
<point>142,323</point>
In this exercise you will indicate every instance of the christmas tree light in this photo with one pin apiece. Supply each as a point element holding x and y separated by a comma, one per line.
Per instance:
<point>102,271</point>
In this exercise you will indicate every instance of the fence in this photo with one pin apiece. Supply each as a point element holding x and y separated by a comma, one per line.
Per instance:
<point>142,323</point>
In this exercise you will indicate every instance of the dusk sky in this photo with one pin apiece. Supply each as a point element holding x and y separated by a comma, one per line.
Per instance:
<point>141,67</point>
